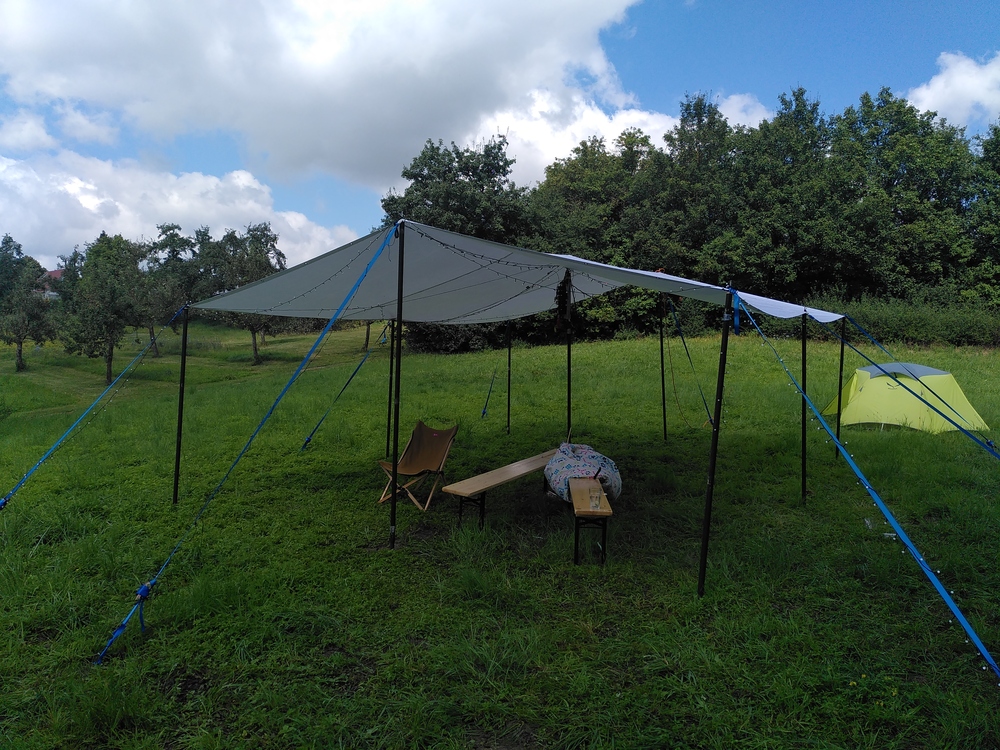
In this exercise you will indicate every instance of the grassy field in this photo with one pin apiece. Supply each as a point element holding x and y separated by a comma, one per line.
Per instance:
<point>284,620</point>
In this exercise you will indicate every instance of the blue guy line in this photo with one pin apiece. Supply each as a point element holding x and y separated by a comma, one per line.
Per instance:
<point>55,446</point>
<point>880,504</point>
<point>986,445</point>
<point>146,589</point>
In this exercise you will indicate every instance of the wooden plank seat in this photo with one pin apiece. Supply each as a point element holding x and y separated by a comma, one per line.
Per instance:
<point>473,490</point>
<point>586,516</point>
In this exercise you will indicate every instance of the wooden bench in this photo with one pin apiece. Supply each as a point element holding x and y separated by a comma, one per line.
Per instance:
<point>586,516</point>
<point>473,490</point>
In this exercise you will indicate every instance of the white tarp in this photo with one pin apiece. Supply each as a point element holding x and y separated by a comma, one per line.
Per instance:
<point>453,278</point>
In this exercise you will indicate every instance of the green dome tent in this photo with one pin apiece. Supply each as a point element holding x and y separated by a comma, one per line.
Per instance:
<point>872,397</point>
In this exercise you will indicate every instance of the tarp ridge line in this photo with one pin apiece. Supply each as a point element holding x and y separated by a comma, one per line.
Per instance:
<point>884,509</point>
<point>48,454</point>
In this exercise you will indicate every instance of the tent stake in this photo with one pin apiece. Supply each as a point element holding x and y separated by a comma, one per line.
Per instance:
<point>706,523</point>
<point>180,404</point>
<point>395,407</point>
<point>805,320</point>
<point>840,383</point>
<point>510,346</point>
<point>388,400</point>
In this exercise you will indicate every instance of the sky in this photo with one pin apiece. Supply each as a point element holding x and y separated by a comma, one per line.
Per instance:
<point>119,116</point>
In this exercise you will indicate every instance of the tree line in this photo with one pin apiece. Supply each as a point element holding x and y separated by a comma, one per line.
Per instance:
<point>880,202</point>
<point>115,284</point>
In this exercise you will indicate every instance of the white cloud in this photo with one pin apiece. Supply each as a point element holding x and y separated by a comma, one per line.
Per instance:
<point>964,92</point>
<point>353,88</point>
<point>52,203</point>
<point>24,132</point>
<point>551,127</point>
<point>744,109</point>
<point>87,128</point>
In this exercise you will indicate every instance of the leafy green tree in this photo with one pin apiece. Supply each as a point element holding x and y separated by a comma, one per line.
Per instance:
<point>788,245</point>
<point>98,295</point>
<point>237,259</point>
<point>24,311</point>
<point>467,190</point>
<point>984,220</point>
<point>909,180</point>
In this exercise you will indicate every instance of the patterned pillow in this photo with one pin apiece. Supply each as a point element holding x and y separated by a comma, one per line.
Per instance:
<point>577,460</point>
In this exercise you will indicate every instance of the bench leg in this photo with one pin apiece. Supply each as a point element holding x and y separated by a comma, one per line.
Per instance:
<point>576,541</point>
<point>480,500</point>
<point>604,540</point>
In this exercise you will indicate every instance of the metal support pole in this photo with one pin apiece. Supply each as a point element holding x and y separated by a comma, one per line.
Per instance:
<point>663,373</point>
<point>388,399</point>
<point>805,409</point>
<point>727,319</point>
<point>395,407</point>
<point>569,383</point>
<point>510,346</point>
<point>840,383</point>
<point>180,404</point>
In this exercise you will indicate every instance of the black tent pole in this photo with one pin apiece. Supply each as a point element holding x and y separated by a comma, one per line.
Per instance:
<point>706,523</point>
<point>510,346</point>
<point>388,400</point>
<point>805,319</point>
<point>180,404</point>
<point>663,374</point>
<point>395,406</point>
<point>569,382</point>
<point>840,382</point>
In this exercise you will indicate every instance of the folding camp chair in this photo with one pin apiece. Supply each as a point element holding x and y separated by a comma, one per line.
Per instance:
<point>424,455</point>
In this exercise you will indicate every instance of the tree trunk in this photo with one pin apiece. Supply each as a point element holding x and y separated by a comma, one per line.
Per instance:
<point>19,361</point>
<point>368,335</point>
<point>256,354</point>
<point>108,357</point>
<point>152,341</point>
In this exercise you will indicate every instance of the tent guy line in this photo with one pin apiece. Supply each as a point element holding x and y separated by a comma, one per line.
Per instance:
<point>986,445</point>
<point>883,508</point>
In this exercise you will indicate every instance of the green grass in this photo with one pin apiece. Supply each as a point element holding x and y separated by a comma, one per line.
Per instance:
<point>286,621</point>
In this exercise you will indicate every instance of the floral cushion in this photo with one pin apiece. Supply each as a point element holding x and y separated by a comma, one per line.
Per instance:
<point>577,460</point>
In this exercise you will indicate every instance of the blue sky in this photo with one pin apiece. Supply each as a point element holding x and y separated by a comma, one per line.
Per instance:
<point>118,117</point>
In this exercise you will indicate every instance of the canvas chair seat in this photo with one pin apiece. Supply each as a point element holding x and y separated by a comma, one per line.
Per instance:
<point>423,456</point>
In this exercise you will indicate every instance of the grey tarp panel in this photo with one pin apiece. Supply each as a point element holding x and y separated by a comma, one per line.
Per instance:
<point>453,278</point>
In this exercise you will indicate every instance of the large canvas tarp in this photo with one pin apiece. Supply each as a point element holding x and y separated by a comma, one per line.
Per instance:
<point>871,396</point>
<point>454,278</point>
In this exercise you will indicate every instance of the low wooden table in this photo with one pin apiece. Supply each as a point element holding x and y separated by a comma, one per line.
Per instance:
<point>587,517</point>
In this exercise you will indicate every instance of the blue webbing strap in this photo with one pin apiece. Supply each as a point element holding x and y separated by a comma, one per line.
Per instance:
<point>323,418</point>
<point>986,445</point>
<point>489,393</point>
<point>677,324</point>
<point>55,446</point>
<point>146,589</point>
<point>900,534</point>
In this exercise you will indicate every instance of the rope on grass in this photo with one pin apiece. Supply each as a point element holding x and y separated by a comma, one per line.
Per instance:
<point>337,398</point>
<point>48,454</point>
<point>883,508</point>
<point>677,325</point>
<point>489,393</point>
<point>986,445</point>
<point>146,589</point>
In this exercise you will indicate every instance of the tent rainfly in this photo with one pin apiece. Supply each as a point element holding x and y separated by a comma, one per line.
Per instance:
<point>872,396</point>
